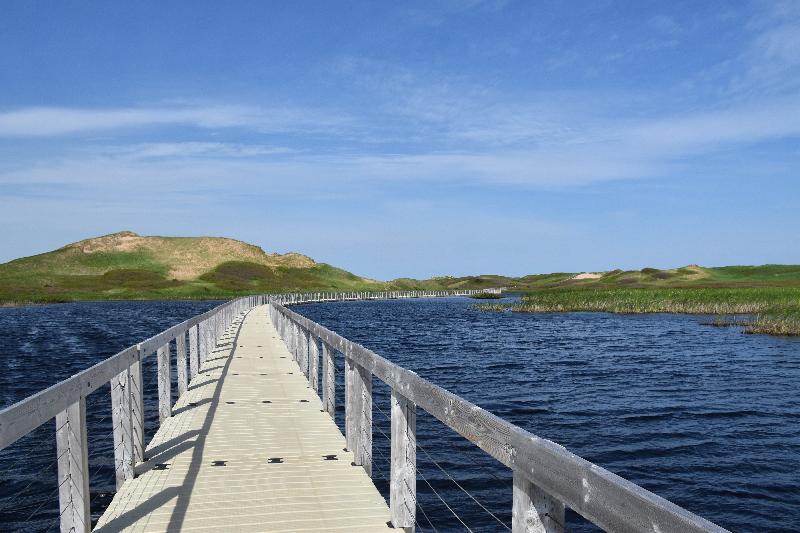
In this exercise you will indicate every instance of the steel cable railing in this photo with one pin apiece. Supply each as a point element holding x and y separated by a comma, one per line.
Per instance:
<point>447,474</point>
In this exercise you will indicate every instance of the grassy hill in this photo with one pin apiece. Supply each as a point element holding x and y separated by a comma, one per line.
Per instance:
<point>129,266</point>
<point>689,276</point>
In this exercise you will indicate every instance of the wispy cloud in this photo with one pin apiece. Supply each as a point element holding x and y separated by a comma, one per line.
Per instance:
<point>610,151</point>
<point>698,132</point>
<point>194,149</point>
<point>767,62</point>
<point>53,121</point>
<point>494,146</point>
<point>664,24</point>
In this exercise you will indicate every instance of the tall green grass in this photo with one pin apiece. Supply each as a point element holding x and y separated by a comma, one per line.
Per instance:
<point>486,296</point>
<point>773,310</point>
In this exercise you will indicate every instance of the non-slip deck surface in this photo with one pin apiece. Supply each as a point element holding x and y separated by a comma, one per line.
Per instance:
<point>245,451</point>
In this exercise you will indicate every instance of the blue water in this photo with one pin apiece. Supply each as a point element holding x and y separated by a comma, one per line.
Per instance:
<point>706,417</point>
<point>43,345</point>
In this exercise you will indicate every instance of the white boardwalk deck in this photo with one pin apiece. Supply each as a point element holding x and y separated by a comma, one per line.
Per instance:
<point>245,451</point>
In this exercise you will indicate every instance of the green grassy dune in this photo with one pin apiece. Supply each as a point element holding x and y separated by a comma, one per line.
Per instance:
<point>126,266</point>
<point>692,276</point>
<point>762,299</point>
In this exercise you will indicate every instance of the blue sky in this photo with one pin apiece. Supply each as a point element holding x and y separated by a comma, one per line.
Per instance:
<point>409,139</point>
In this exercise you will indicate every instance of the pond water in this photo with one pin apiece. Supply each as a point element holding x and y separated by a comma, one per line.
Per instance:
<point>708,418</point>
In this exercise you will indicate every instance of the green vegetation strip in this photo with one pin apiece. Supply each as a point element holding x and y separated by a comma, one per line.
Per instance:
<point>486,296</point>
<point>771,310</point>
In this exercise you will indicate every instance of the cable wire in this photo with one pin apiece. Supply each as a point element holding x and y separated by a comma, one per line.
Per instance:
<point>457,484</point>
<point>45,500</point>
<point>473,461</point>
<point>19,493</point>
<point>442,500</point>
<point>416,501</point>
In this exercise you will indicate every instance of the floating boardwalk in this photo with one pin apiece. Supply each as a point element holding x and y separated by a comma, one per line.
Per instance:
<point>251,444</point>
<point>249,447</point>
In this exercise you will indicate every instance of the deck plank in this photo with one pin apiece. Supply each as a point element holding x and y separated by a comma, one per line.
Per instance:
<point>251,365</point>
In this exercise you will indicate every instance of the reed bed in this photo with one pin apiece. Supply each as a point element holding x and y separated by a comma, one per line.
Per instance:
<point>486,296</point>
<point>771,310</point>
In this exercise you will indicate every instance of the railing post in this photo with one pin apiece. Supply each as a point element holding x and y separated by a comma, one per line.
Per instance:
<point>164,384</point>
<point>284,329</point>
<point>122,423</point>
<point>290,338</point>
<point>352,399</point>
<point>328,380</point>
<point>533,510</point>
<point>201,342</point>
<point>403,484</point>
<point>180,358</point>
<point>207,339</point>
<point>358,413</point>
<point>137,407</point>
<point>365,459</point>
<point>304,351</point>
<point>298,343</point>
<point>313,367</point>
<point>73,468</point>
<point>295,340</point>
<point>194,359</point>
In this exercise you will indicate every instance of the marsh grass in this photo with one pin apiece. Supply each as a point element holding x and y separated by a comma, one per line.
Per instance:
<point>772,310</point>
<point>486,296</point>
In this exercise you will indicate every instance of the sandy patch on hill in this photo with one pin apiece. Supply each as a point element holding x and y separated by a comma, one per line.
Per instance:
<point>588,275</point>
<point>189,257</point>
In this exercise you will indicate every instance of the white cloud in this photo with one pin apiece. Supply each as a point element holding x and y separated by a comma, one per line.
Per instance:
<point>52,121</point>
<point>196,149</point>
<point>745,124</point>
<point>769,61</point>
<point>607,151</point>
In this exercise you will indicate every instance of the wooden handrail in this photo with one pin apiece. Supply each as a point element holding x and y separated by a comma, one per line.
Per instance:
<point>21,418</point>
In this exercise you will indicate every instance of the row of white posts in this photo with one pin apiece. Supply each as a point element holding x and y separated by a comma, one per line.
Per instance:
<point>294,298</point>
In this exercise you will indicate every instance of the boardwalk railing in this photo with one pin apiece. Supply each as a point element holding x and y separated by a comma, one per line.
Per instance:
<point>546,477</point>
<point>194,340</point>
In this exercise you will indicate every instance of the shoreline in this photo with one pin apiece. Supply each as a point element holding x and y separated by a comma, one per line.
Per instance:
<point>101,300</point>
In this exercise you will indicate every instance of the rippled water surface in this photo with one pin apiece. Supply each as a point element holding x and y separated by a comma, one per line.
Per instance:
<point>42,345</point>
<point>706,417</point>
